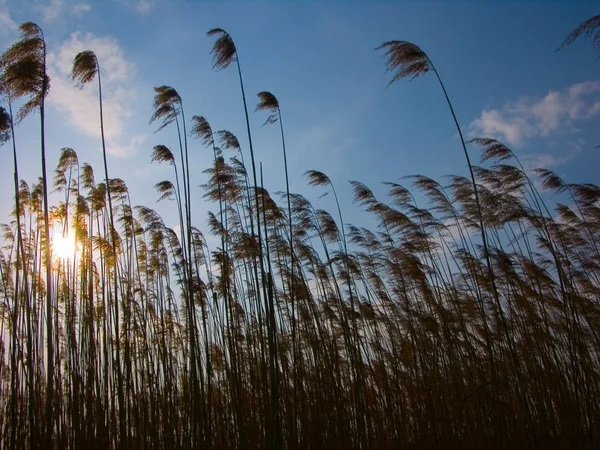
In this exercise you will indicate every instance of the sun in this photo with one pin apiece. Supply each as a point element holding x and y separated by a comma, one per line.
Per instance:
<point>63,246</point>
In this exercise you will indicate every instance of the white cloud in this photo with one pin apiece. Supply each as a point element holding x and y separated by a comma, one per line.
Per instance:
<point>528,118</point>
<point>80,106</point>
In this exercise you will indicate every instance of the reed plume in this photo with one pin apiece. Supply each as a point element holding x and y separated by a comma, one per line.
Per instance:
<point>590,29</point>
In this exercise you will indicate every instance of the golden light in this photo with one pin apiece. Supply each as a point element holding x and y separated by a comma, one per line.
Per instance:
<point>63,246</point>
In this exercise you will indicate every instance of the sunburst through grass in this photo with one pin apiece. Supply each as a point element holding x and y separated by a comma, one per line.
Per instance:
<point>292,329</point>
<point>63,245</point>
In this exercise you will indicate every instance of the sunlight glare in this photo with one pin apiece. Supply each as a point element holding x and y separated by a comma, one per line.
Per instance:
<point>63,247</point>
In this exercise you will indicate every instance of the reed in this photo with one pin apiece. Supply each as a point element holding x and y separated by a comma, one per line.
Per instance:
<point>297,330</point>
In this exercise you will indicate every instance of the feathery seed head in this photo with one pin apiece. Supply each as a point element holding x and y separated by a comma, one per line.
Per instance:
<point>166,100</point>
<point>399,193</point>
<point>30,30</point>
<point>23,68</point>
<point>223,51</point>
<point>362,194</point>
<point>68,158</point>
<point>165,189</point>
<point>268,102</point>
<point>85,67</point>
<point>165,95</point>
<point>162,154</point>
<point>4,125</point>
<point>202,130</point>
<point>590,29</point>
<point>492,149</point>
<point>406,58</point>
<point>316,178</point>
<point>228,140</point>
<point>550,180</point>
<point>87,176</point>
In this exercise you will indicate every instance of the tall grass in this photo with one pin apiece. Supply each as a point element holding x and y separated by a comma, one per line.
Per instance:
<point>467,318</point>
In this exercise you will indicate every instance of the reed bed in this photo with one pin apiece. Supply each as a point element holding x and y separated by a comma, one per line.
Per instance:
<point>469,317</point>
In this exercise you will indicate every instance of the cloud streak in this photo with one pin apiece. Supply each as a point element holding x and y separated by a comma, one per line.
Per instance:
<point>551,161</point>
<point>55,9</point>
<point>7,25</point>
<point>81,8</point>
<point>528,118</point>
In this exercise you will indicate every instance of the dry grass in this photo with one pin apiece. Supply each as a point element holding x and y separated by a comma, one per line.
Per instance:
<point>298,331</point>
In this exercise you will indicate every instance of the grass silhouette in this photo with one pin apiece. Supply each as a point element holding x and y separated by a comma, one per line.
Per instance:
<point>468,317</point>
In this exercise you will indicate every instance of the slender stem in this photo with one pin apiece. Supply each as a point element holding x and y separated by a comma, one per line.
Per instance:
<point>475,191</point>
<point>48,258</point>
<point>292,264</point>
<point>20,259</point>
<point>257,204</point>
<point>113,237</point>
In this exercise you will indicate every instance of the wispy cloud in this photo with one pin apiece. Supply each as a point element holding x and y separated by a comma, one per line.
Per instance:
<point>81,8</point>
<point>551,160</point>
<point>128,148</point>
<point>81,106</point>
<point>527,118</point>
<point>7,25</point>
<point>50,10</point>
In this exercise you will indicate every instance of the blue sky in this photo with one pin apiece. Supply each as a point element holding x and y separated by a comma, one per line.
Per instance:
<point>497,61</point>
